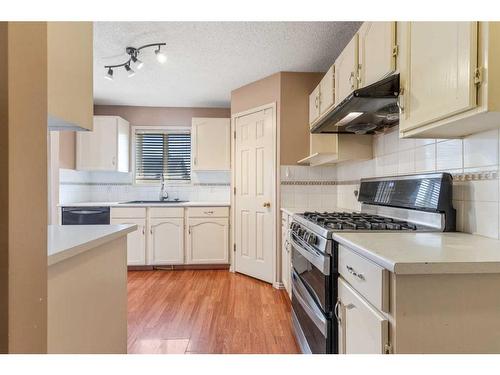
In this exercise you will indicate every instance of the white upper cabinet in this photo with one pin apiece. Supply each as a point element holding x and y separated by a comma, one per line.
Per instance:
<point>346,71</point>
<point>314,105</point>
<point>166,241</point>
<point>437,66</point>
<point>326,91</point>
<point>211,144</point>
<point>106,147</point>
<point>377,51</point>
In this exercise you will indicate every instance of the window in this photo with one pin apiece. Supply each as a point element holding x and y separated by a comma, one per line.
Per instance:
<point>164,152</point>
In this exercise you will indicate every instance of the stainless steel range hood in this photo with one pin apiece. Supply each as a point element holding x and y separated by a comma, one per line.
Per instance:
<point>365,110</point>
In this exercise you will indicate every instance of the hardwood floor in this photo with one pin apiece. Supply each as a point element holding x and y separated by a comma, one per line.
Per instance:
<point>211,311</point>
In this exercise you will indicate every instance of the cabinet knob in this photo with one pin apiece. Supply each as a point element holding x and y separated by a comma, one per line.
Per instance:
<point>267,204</point>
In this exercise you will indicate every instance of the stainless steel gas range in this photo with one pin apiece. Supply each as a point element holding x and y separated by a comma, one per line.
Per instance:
<point>398,204</point>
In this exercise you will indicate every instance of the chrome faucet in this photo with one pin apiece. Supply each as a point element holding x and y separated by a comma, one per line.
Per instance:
<point>163,192</point>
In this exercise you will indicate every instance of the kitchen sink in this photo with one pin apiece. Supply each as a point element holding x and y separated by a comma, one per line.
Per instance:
<point>154,202</point>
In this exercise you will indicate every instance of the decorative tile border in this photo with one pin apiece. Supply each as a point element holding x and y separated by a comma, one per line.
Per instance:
<point>206,184</point>
<point>457,177</point>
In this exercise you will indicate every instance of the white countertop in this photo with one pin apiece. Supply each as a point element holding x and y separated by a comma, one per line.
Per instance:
<point>66,241</point>
<point>121,204</point>
<point>426,253</point>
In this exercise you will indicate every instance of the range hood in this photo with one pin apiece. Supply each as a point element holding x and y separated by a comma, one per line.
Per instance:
<point>364,111</point>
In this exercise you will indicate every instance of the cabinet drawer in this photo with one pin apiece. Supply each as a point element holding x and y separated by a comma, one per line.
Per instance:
<point>208,212</point>
<point>368,278</point>
<point>118,212</point>
<point>166,212</point>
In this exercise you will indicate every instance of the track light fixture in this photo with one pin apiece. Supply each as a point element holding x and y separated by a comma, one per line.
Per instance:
<point>133,53</point>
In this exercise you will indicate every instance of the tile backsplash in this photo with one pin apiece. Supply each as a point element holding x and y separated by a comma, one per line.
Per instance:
<point>82,186</point>
<point>473,161</point>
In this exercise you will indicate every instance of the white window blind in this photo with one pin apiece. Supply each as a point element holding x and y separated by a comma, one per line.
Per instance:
<point>164,153</point>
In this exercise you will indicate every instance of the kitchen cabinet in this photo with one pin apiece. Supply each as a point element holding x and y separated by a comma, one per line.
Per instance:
<point>377,51</point>
<point>106,148</point>
<point>363,330</point>
<point>438,74</point>
<point>314,106</point>
<point>70,96</point>
<point>346,71</point>
<point>207,240</point>
<point>136,241</point>
<point>286,256</point>
<point>166,241</point>
<point>211,144</point>
<point>449,83</point>
<point>327,91</point>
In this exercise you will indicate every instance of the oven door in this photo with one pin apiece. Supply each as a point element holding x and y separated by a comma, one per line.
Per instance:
<point>312,327</point>
<point>313,267</point>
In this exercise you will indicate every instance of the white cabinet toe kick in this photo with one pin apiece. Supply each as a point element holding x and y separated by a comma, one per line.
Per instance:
<point>176,237</point>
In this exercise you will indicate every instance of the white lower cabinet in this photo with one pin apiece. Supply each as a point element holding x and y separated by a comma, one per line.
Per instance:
<point>162,238</point>
<point>207,241</point>
<point>166,241</point>
<point>363,329</point>
<point>136,241</point>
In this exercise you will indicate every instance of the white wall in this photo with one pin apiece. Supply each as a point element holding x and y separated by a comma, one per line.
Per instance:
<point>473,161</point>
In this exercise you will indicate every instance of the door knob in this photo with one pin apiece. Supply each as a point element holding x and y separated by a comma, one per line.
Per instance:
<point>267,204</point>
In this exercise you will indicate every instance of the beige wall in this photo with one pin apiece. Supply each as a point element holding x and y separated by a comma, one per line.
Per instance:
<point>290,91</point>
<point>294,124</point>
<point>150,116</point>
<point>23,187</point>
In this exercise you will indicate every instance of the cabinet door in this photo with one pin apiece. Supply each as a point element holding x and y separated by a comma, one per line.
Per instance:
<point>166,241</point>
<point>437,75</point>
<point>136,241</point>
<point>210,144</point>
<point>314,105</point>
<point>364,330</point>
<point>123,151</point>
<point>376,44</point>
<point>208,241</point>
<point>326,91</point>
<point>97,150</point>
<point>346,70</point>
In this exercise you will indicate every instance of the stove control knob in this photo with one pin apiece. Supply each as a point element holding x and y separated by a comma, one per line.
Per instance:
<point>312,239</point>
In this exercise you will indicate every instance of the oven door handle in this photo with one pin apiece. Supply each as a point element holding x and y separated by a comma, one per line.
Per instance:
<point>319,260</point>
<point>308,304</point>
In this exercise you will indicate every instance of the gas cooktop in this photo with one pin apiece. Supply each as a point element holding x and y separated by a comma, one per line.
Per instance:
<point>356,221</point>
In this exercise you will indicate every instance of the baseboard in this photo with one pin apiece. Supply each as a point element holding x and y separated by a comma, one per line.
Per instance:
<point>278,285</point>
<point>139,268</point>
<point>180,267</point>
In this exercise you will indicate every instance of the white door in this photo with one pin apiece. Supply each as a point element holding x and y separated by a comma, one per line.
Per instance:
<point>326,90</point>
<point>346,70</point>
<point>438,76</point>
<point>376,43</point>
<point>208,241</point>
<point>364,330</point>
<point>166,242</point>
<point>136,241</point>
<point>255,181</point>
<point>211,144</point>
<point>314,105</point>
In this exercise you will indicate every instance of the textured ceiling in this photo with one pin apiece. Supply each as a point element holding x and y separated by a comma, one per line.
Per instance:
<point>206,60</point>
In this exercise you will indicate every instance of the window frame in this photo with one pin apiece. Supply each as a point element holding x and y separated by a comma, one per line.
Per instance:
<point>159,129</point>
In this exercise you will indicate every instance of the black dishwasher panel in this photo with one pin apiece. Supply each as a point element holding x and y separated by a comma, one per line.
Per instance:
<point>85,215</point>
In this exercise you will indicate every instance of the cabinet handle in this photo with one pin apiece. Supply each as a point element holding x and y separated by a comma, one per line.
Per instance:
<point>189,229</point>
<point>143,231</point>
<point>113,161</point>
<point>351,80</point>
<point>266,205</point>
<point>400,101</point>
<point>195,161</point>
<point>208,212</point>
<point>336,311</point>
<point>350,306</point>
<point>354,273</point>
<point>151,230</point>
<point>316,101</point>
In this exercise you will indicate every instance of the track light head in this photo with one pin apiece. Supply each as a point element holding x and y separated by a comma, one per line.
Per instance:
<point>138,63</point>
<point>160,56</point>
<point>109,74</point>
<point>129,70</point>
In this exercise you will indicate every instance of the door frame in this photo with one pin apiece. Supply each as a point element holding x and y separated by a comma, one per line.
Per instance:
<point>274,205</point>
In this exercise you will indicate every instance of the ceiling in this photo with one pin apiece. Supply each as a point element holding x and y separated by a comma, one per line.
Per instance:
<point>206,60</point>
